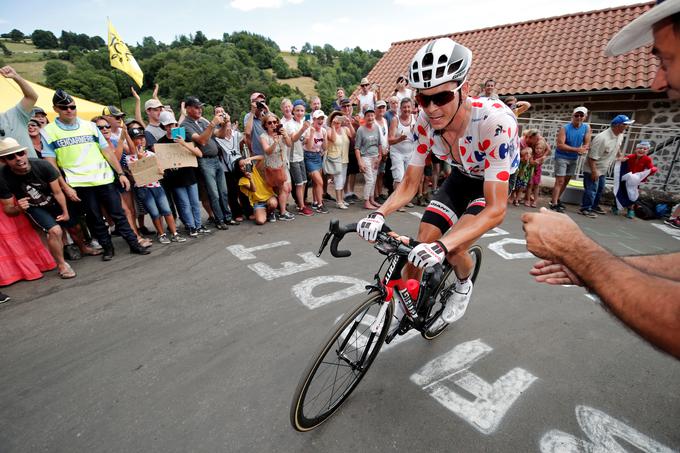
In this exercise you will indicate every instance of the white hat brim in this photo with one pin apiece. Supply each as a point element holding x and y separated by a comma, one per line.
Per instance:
<point>639,32</point>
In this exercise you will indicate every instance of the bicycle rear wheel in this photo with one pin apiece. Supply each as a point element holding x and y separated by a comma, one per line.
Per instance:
<point>448,279</point>
<point>340,365</point>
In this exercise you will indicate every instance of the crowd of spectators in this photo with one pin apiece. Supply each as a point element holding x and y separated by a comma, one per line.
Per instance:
<point>73,180</point>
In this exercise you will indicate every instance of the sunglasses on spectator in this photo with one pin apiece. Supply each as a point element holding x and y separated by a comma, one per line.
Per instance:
<point>271,122</point>
<point>578,114</point>
<point>15,155</point>
<point>439,99</point>
<point>66,107</point>
<point>101,128</point>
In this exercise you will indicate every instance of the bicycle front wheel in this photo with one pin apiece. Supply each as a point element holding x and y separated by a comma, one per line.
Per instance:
<point>340,365</point>
<point>448,279</point>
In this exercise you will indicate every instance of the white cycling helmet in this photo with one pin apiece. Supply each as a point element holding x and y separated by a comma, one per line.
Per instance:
<point>439,61</point>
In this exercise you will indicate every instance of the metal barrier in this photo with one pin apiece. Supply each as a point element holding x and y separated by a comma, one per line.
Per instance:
<point>665,150</point>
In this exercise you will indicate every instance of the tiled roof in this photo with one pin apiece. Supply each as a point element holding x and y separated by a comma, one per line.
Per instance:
<point>557,54</point>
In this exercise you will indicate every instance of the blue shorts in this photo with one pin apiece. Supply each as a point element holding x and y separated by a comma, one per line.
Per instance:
<point>313,161</point>
<point>45,216</point>
<point>154,200</point>
<point>260,205</point>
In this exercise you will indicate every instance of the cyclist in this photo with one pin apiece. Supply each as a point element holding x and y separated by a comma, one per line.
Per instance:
<point>478,137</point>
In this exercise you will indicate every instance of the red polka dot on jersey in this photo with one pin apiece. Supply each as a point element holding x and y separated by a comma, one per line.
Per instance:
<point>510,132</point>
<point>421,129</point>
<point>422,148</point>
<point>486,164</point>
<point>477,104</point>
<point>497,105</point>
<point>431,142</point>
<point>503,175</point>
<point>463,151</point>
<point>484,145</point>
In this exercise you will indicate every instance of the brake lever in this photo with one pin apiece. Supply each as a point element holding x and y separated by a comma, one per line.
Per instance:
<point>324,242</point>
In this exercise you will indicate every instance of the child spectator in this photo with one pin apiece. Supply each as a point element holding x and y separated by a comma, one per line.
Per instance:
<point>152,195</point>
<point>260,194</point>
<point>632,171</point>
<point>537,158</point>
<point>524,174</point>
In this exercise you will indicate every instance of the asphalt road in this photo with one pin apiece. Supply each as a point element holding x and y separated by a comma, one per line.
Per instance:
<point>193,349</point>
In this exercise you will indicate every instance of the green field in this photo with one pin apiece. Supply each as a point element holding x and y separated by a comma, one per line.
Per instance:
<point>33,70</point>
<point>291,60</point>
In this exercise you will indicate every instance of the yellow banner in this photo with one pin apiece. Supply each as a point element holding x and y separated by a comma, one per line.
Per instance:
<point>121,58</point>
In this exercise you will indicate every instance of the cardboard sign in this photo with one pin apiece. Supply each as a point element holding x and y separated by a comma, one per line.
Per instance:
<point>145,171</point>
<point>173,155</point>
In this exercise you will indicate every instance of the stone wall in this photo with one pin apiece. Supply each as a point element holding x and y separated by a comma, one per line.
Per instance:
<point>656,120</point>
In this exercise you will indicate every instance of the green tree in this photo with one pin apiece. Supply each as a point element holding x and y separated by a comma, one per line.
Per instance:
<point>281,68</point>
<point>55,72</point>
<point>96,42</point>
<point>16,35</point>
<point>200,38</point>
<point>43,39</point>
<point>5,51</point>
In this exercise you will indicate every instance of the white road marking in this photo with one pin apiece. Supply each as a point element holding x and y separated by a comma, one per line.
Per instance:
<point>246,253</point>
<point>289,268</point>
<point>668,230</point>
<point>417,214</point>
<point>495,232</point>
<point>629,248</point>
<point>499,248</point>
<point>303,290</point>
<point>492,401</point>
<point>601,430</point>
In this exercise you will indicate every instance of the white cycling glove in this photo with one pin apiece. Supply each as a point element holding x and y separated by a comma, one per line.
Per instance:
<point>427,255</point>
<point>369,227</point>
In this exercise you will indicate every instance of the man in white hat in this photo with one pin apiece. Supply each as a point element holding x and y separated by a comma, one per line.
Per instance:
<point>642,291</point>
<point>366,97</point>
<point>31,186</point>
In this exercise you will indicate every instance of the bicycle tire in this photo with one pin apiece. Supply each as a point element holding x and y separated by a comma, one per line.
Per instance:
<point>300,415</point>
<point>438,328</point>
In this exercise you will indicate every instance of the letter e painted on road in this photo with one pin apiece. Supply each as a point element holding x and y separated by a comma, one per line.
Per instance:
<point>492,401</point>
<point>246,253</point>
<point>288,268</point>
<point>499,248</point>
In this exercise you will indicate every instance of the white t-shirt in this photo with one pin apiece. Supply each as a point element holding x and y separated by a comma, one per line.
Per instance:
<point>603,149</point>
<point>408,93</point>
<point>384,130</point>
<point>366,99</point>
<point>297,152</point>
<point>407,146</point>
<point>489,150</point>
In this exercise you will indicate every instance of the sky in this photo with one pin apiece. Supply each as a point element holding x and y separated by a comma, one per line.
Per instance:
<point>344,24</point>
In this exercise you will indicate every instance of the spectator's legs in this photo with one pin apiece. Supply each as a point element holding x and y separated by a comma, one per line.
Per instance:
<point>600,190</point>
<point>97,225</point>
<point>207,167</point>
<point>145,195</point>
<point>233,193</point>
<point>369,181</point>
<point>221,181</point>
<point>184,207</point>
<point>317,188</point>
<point>589,190</point>
<point>284,193</point>
<point>163,205</point>
<point>55,246</point>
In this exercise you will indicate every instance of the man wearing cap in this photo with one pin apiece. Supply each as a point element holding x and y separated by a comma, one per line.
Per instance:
<point>114,117</point>
<point>253,123</point>
<point>603,149</point>
<point>642,291</point>
<point>367,97</point>
<point>79,149</point>
<point>573,139</point>
<point>14,122</point>
<point>202,133</point>
<point>32,186</point>
<point>153,130</point>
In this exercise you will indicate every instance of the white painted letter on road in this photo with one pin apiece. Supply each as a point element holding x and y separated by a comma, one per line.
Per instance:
<point>243,253</point>
<point>601,430</point>
<point>499,248</point>
<point>492,400</point>
<point>303,290</point>
<point>289,268</point>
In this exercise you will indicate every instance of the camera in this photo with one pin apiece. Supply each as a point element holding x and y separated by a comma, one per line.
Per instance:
<point>249,168</point>
<point>279,129</point>
<point>260,105</point>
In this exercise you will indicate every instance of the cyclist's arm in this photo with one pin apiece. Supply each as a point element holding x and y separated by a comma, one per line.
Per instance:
<point>496,196</point>
<point>405,192</point>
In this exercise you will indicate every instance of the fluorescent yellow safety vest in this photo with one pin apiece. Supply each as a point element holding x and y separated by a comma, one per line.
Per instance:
<point>78,154</point>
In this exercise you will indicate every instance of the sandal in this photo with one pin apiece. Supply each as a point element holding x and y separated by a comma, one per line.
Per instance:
<point>67,273</point>
<point>515,203</point>
<point>533,204</point>
<point>89,251</point>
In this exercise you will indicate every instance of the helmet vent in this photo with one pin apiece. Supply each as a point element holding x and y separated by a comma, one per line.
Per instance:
<point>427,75</point>
<point>428,59</point>
<point>442,59</point>
<point>455,66</point>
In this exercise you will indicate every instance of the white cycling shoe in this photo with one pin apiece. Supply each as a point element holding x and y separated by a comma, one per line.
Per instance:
<point>458,301</point>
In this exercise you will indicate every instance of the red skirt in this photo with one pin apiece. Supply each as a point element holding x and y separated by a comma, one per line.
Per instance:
<point>22,254</point>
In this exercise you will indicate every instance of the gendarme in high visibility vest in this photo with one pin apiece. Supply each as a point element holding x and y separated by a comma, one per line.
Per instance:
<point>78,154</point>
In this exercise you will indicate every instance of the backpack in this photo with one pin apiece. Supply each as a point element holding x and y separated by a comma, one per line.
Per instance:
<point>645,209</point>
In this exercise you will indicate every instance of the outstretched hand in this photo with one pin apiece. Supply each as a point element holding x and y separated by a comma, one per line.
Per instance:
<point>554,274</point>
<point>550,235</point>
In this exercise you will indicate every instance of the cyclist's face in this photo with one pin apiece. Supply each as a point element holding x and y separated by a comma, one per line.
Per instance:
<point>440,116</point>
<point>666,49</point>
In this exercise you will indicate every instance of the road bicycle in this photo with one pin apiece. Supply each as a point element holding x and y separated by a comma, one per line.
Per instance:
<point>348,353</point>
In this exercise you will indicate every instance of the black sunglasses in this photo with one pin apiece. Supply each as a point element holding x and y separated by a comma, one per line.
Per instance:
<point>66,107</point>
<point>579,114</point>
<point>15,155</point>
<point>440,99</point>
<point>103,127</point>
